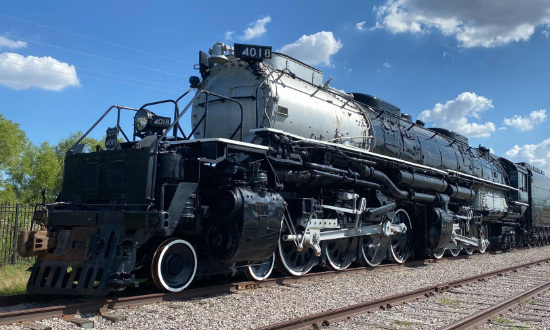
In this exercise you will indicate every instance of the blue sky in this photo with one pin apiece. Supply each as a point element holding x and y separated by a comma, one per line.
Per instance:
<point>477,67</point>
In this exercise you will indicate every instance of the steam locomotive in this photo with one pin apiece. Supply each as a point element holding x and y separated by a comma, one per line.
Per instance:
<point>278,168</point>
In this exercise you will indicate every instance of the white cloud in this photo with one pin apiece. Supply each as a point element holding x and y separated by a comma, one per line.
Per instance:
<point>20,72</point>
<point>387,65</point>
<point>472,23</point>
<point>11,44</point>
<point>546,31</point>
<point>257,29</point>
<point>360,26</point>
<point>455,115</point>
<point>534,154</point>
<point>314,49</point>
<point>228,35</point>
<point>526,123</point>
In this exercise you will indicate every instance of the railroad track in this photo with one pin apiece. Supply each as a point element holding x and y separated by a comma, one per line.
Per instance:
<point>17,299</point>
<point>17,309</point>
<point>461,304</point>
<point>528,314</point>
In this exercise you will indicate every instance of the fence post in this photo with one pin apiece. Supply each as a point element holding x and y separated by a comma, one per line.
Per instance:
<point>15,230</point>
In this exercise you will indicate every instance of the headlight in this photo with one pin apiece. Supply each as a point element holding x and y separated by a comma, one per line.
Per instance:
<point>141,120</point>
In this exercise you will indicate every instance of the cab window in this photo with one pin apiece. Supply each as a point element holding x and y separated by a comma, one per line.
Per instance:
<point>522,182</point>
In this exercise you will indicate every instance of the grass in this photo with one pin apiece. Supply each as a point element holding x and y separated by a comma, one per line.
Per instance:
<point>505,321</point>
<point>405,323</point>
<point>525,302</point>
<point>450,302</point>
<point>502,320</point>
<point>14,278</point>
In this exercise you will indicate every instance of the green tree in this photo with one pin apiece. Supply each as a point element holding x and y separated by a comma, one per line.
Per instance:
<point>19,176</point>
<point>12,141</point>
<point>14,145</point>
<point>46,171</point>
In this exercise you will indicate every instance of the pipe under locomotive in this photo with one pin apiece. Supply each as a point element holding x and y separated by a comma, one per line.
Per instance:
<point>278,168</point>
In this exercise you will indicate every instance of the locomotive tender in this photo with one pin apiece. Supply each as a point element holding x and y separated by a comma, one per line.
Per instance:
<point>279,168</point>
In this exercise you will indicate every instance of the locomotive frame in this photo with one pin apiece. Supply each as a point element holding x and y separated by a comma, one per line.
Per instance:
<point>278,167</point>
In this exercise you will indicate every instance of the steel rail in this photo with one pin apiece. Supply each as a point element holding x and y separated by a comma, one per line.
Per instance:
<point>26,315</point>
<point>485,315</point>
<point>342,314</point>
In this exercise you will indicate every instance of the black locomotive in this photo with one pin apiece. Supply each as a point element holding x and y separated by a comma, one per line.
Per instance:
<point>279,168</point>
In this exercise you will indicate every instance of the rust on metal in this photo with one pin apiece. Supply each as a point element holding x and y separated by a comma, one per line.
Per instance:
<point>483,316</point>
<point>35,242</point>
<point>104,305</point>
<point>345,313</point>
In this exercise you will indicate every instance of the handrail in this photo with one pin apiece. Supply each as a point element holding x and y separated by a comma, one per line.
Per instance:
<point>203,118</point>
<point>119,107</point>
<point>176,113</point>
<point>174,126</point>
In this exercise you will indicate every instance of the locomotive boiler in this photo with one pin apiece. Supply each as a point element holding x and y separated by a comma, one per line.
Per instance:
<point>278,168</point>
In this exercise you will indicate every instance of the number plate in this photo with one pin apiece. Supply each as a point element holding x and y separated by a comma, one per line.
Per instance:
<point>252,51</point>
<point>160,122</point>
<point>111,139</point>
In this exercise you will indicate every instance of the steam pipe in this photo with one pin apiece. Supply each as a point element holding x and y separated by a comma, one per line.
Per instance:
<point>420,181</point>
<point>396,192</point>
<point>294,176</point>
<point>458,192</point>
<point>328,169</point>
<point>416,196</point>
<point>358,182</point>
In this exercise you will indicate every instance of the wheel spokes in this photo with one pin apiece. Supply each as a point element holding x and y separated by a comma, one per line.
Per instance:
<point>401,242</point>
<point>294,262</point>
<point>374,250</point>
<point>340,253</point>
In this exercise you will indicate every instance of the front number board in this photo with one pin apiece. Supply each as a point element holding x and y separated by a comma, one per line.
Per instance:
<point>253,52</point>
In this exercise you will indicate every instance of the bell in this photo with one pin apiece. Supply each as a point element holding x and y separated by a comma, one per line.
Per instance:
<point>218,59</point>
<point>218,54</point>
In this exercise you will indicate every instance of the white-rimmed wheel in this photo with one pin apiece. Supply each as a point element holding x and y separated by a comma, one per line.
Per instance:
<point>483,235</point>
<point>260,271</point>
<point>401,242</point>
<point>374,249</point>
<point>174,265</point>
<point>467,232</point>
<point>438,254</point>
<point>340,253</point>
<point>454,252</point>
<point>294,262</point>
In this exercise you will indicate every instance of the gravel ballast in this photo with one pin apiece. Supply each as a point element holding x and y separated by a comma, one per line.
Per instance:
<point>264,306</point>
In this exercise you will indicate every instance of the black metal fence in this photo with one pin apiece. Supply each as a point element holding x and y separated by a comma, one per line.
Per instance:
<point>14,217</point>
